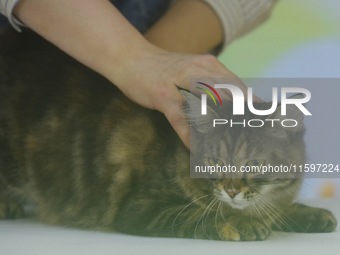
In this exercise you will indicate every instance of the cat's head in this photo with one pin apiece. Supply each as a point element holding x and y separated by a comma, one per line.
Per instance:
<point>242,147</point>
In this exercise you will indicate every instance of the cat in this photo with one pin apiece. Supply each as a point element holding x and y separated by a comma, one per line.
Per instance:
<point>88,157</point>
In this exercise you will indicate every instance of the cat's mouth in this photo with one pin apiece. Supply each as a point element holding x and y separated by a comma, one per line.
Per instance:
<point>237,202</point>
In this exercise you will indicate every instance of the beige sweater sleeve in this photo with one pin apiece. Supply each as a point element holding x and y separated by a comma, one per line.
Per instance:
<point>6,8</point>
<point>240,16</point>
<point>237,16</point>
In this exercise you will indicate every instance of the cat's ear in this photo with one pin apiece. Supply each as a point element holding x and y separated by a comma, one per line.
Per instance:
<point>293,115</point>
<point>192,109</point>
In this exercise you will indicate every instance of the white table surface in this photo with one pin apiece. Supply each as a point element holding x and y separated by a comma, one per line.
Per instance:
<point>31,237</point>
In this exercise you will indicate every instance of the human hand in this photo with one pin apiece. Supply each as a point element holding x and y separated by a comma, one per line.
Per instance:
<point>149,78</point>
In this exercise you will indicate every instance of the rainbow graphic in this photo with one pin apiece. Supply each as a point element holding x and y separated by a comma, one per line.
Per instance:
<point>209,90</point>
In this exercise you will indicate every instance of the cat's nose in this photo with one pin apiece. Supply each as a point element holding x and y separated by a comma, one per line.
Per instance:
<point>232,192</point>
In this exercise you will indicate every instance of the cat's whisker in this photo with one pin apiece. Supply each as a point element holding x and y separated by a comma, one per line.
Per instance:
<point>279,219</point>
<point>227,222</point>
<point>292,188</point>
<point>275,213</point>
<point>259,214</point>
<point>206,216</point>
<point>212,200</point>
<point>204,221</point>
<point>274,216</point>
<point>262,207</point>
<point>284,214</point>
<point>188,205</point>
<point>216,215</point>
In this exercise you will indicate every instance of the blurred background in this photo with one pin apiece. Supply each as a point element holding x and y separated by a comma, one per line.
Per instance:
<point>300,40</point>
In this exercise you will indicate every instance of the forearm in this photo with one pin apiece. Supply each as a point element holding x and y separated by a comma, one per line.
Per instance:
<point>198,26</point>
<point>93,32</point>
<point>189,26</point>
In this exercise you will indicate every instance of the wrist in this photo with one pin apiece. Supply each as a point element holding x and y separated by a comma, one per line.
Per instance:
<point>120,68</point>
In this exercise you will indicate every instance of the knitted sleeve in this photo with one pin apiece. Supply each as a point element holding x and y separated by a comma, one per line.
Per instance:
<point>6,8</point>
<point>240,16</point>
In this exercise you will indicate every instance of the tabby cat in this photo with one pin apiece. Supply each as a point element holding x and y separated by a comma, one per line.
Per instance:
<point>88,157</point>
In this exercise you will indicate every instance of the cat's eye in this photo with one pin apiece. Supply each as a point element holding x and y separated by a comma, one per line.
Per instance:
<point>255,162</point>
<point>215,161</point>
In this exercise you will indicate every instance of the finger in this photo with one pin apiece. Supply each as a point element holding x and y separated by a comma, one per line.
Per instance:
<point>179,123</point>
<point>170,104</point>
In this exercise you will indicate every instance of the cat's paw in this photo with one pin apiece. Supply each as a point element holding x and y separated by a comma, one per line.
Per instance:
<point>246,230</point>
<point>11,210</point>
<point>317,220</point>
